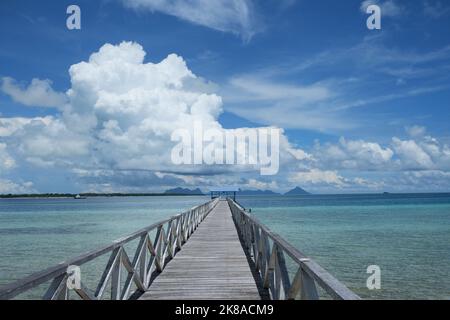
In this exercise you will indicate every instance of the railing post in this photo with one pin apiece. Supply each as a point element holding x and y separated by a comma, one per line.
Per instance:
<point>283,272</point>
<point>277,276</point>
<point>158,241</point>
<point>143,260</point>
<point>57,289</point>
<point>116,278</point>
<point>308,287</point>
<point>169,239</point>
<point>183,228</point>
<point>295,286</point>
<point>259,248</point>
<point>255,245</point>
<point>179,233</point>
<point>270,261</point>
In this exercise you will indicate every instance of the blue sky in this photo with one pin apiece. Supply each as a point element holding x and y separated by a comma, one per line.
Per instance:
<point>370,108</point>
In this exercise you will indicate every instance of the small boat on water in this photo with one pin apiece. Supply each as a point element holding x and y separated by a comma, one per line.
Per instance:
<point>78,197</point>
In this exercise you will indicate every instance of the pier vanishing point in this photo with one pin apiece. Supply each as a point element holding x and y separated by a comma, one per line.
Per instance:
<point>216,250</point>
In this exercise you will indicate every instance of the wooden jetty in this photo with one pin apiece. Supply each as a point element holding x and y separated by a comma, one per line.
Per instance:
<point>212,264</point>
<point>214,251</point>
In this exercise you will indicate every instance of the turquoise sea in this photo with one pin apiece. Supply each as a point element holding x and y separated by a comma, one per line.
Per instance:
<point>408,236</point>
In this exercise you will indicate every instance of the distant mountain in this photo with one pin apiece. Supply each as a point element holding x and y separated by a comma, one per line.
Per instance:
<point>184,191</point>
<point>297,191</point>
<point>257,193</point>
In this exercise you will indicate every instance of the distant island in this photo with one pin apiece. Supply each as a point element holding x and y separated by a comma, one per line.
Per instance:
<point>297,191</point>
<point>91,195</point>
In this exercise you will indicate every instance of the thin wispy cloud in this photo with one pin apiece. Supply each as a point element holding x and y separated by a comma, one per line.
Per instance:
<point>254,89</point>
<point>271,101</point>
<point>389,8</point>
<point>435,9</point>
<point>237,16</point>
<point>394,96</point>
<point>370,53</point>
<point>269,96</point>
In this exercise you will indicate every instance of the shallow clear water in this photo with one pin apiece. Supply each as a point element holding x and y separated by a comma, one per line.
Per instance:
<point>38,233</point>
<point>408,236</point>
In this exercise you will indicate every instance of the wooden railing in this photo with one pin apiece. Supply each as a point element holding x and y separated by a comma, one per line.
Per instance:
<point>269,251</point>
<point>149,259</point>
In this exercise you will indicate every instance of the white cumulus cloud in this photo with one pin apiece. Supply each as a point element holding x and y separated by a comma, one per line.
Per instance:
<point>411,154</point>
<point>11,126</point>
<point>8,186</point>
<point>38,93</point>
<point>416,131</point>
<point>114,133</point>
<point>316,176</point>
<point>6,161</point>
<point>120,115</point>
<point>353,154</point>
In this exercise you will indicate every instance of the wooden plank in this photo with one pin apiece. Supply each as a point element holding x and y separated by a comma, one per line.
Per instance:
<point>211,265</point>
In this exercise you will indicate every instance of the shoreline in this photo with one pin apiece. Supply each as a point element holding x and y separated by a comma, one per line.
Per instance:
<point>119,195</point>
<point>44,196</point>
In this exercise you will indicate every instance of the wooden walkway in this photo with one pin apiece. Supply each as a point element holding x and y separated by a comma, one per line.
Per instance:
<point>211,265</point>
